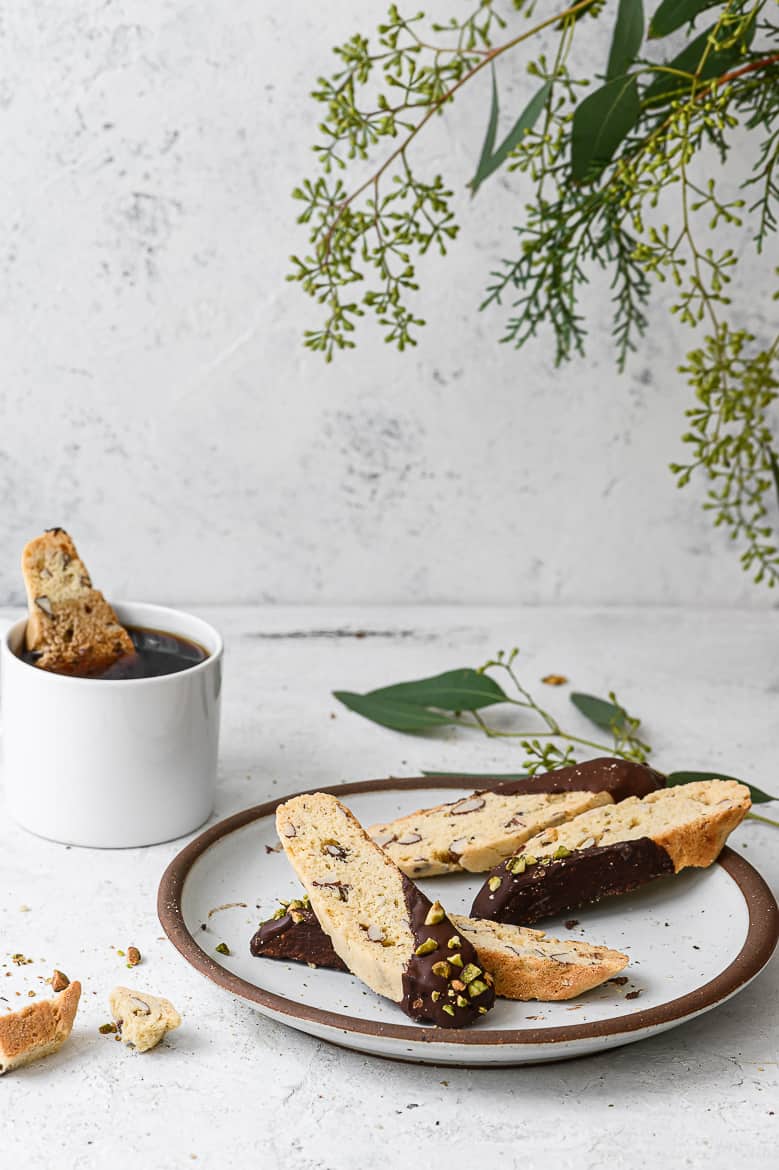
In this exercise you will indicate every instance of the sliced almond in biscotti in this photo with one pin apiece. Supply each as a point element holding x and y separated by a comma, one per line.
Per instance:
<point>613,850</point>
<point>37,1030</point>
<point>525,964</point>
<point>386,931</point>
<point>479,830</point>
<point>70,624</point>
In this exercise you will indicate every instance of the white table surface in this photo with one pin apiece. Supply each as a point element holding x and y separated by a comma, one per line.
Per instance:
<point>232,1089</point>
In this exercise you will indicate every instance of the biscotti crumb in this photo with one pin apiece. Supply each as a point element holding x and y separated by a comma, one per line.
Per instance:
<point>38,1030</point>
<point>142,1020</point>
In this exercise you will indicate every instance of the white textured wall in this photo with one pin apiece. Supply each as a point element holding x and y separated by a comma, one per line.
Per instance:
<point>155,395</point>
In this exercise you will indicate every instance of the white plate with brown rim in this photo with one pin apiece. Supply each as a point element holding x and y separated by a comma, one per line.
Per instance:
<point>694,941</point>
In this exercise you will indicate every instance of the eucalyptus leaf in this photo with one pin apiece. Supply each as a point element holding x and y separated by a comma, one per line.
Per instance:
<point>455,690</point>
<point>491,161</point>
<point>627,38</point>
<point>668,85</point>
<point>392,713</point>
<point>774,461</point>
<point>672,14</point>
<point>599,711</point>
<point>489,138</point>
<point>600,123</point>
<point>675,778</point>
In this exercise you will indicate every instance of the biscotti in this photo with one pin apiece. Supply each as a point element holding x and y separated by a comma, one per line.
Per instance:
<point>613,850</point>
<point>525,964</point>
<point>37,1030</point>
<point>386,931</point>
<point>142,1020</point>
<point>478,831</point>
<point>70,625</point>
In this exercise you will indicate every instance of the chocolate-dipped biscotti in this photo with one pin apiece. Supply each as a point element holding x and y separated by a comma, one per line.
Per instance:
<point>385,930</point>
<point>524,963</point>
<point>480,830</point>
<point>612,850</point>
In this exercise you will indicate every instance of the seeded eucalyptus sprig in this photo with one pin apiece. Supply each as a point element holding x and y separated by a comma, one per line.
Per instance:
<point>597,148</point>
<point>459,697</point>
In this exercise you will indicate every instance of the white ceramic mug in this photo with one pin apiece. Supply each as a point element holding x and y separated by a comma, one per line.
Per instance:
<point>112,763</point>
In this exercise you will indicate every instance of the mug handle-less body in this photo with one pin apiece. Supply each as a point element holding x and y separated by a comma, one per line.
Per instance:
<point>5,625</point>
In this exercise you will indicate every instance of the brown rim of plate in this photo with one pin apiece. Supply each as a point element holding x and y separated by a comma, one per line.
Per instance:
<point>759,944</point>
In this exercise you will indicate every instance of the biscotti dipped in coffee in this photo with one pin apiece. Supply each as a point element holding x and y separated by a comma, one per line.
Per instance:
<point>478,831</point>
<point>613,850</point>
<point>70,625</point>
<point>525,964</point>
<point>386,931</point>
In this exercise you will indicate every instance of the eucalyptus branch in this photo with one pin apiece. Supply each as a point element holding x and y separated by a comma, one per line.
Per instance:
<point>598,158</point>
<point>625,742</point>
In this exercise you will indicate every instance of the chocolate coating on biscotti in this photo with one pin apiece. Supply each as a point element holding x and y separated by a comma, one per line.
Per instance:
<point>433,985</point>
<point>299,939</point>
<point>585,875</point>
<point>620,778</point>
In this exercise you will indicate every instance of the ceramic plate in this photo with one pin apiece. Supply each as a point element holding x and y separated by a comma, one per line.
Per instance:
<point>694,941</point>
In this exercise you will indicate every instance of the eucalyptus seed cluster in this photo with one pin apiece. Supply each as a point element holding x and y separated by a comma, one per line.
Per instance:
<point>554,747</point>
<point>598,160</point>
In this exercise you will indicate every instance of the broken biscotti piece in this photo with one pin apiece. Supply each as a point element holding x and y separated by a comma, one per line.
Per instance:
<point>613,850</point>
<point>524,963</point>
<point>37,1030</point>
<point>70,625</point>
<point>142,1020</point>
<point>478,831</point>
<point>386,931</point>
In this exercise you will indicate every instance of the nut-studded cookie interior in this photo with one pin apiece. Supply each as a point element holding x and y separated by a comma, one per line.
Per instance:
<point>677,819</point>
<point>524,943</point>
<point>355,890</point>
<point>477,832</point>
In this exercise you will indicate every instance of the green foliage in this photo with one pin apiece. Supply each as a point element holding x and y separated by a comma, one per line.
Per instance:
<point>627,38</point>
<point>601,122</point>
<point>491,159</point>
<point>597,151</point>
<point>445,699</point>
<point>757,794</point>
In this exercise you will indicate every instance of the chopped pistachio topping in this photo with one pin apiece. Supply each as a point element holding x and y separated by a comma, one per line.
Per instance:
<point>482,1011</point>
<point>470,972</point>
<point>458,985</point>
<point>462,1001</point>
<point>494,883</point>
<point>447,1007</point>
<point>478,987</point>
<point>427,947</point>
<point>517,865</point>
<point>222,949</point>
<point>456,960</point>
<point>435,914</point>
<point>442,969</point>
<point>435,996</point>
<point>454,943</point>
<point>279,914</point>
<point>561,852</point>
